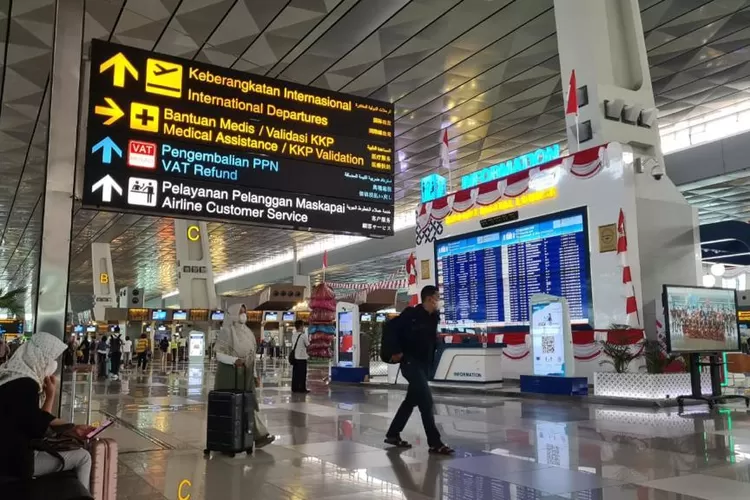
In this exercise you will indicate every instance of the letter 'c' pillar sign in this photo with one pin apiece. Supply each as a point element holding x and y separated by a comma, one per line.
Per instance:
<point>195,276</point>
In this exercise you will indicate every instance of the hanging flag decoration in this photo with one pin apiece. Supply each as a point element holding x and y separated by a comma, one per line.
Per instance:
<point>411,270</point>
<point>631,305</point>
<point>445,161</point>
<point>572,106</point>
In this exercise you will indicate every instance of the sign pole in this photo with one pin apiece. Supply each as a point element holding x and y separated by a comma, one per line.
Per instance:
<point>57,208</point>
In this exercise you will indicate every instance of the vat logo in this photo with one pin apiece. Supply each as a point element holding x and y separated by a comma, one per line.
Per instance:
<point>142,154</point>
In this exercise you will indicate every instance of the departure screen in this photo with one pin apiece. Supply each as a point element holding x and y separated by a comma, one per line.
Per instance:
<point>487,278</point>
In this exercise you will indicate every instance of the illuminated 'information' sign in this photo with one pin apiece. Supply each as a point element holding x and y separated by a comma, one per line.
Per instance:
<point>506,168</point>
<point>174,137</point>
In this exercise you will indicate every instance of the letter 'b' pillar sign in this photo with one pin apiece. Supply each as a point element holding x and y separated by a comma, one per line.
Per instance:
<point>195,276</point>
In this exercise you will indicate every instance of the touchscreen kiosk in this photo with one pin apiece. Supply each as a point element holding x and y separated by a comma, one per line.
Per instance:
<point>551,336</point>
<point>347,334</point>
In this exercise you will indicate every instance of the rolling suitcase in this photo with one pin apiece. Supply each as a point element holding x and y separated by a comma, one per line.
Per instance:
<point>103,469</point>
<point>229,426</point>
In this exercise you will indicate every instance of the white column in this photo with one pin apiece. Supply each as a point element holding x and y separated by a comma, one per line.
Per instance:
<point>103,279</point>
<point>195,276</point>
<point>602,40</point>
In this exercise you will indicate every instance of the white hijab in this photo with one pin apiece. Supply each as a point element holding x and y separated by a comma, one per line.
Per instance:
<point>235,338</point>
<point>33,358</point>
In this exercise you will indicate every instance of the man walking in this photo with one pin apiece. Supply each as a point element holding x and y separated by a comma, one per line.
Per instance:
<point>102,348</point>
<point>417,335</point>
<point>300,343</point>
<point>115,353</point>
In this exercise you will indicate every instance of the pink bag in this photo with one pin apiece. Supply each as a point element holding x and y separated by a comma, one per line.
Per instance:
<point>103,469</point>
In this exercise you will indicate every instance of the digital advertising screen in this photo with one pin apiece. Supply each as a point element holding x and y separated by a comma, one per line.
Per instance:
<point>91,329</point>
<point>78,329</point>
<point>486,278</point>
<point>176,137</point>
<point>271,316</point>
<point>346,338</point>
<point>701,319</point>
<point>10,326</point>
<point>365,317</point>
<point>548,338</point>
<point>159,315</point>
<point>380,318</point>
<point>288,316</point>
<point>217,315</point>
<point>180,315</point>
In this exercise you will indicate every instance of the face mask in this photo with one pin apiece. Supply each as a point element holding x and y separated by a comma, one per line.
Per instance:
<point>243,318</point>
<point>51,369</point>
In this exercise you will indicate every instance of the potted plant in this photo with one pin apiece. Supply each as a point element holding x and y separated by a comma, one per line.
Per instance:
<point>663,376</point>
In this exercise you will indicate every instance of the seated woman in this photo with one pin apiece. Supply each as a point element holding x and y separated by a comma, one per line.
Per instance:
<point>235,352</point>
<point>27,374</point>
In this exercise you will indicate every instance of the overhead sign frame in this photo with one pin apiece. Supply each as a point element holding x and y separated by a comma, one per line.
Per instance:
<point>164,131</point>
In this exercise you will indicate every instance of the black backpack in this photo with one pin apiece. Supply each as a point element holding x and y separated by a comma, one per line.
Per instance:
<point>115,344</point>
<point>390,342</point>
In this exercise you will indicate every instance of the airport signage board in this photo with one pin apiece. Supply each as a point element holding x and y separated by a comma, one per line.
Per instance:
<point>173,137</point>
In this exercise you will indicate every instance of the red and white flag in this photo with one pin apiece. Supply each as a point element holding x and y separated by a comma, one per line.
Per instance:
<point>445,160</point>
<point>631,305</point>
<point>411,270</point>
<point>572,106</point>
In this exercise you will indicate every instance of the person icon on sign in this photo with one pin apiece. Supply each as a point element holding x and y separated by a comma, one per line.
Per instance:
<point>149,193</point>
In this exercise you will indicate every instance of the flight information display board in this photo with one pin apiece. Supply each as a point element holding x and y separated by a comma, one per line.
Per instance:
<point>486,278</point>
<point>156,122</point>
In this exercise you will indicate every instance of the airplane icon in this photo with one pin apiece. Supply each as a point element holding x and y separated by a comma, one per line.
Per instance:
<point>163,78</point>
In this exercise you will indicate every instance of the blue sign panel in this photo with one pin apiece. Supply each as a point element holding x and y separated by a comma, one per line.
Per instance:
<point>433,186</point>
<point>506,168</point>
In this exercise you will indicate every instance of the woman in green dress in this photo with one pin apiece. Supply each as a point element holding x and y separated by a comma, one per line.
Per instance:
<point>235,353</point>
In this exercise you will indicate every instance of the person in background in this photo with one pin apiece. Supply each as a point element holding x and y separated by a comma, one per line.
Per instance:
<point>164,348</point>
<point>142,349</point>
<point>27,374</point>
<point>417,335</point>
<point>4,351</point>
<point>173,347</point>
<point>116,346</point>
<point>102,350</point>
<point>127,352</point>
<point>85,348</point>
<point>235,353</point>
<point>69,357</point>
<point>300,343</point>
<point>182,343</point>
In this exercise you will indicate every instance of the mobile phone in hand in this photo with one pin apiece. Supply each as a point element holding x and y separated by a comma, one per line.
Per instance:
<point>99,430</point>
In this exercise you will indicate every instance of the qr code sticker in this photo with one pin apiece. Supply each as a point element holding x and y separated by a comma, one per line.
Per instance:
<point>553,454</point>
<point>548,345</point>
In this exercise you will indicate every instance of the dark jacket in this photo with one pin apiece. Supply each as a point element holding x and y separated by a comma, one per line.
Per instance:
<point>22,420</point>
<point>418,334</point>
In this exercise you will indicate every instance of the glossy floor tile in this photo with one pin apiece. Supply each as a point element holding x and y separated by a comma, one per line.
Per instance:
<point>330,444</point>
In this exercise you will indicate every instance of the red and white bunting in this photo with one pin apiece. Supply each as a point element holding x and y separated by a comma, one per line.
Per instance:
<point>386,284</point>
<point>583,165</point>
<point>631,305</point>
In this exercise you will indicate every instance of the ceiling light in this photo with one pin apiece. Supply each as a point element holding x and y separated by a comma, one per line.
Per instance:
<point>708,280</point>
<point>718,270</point>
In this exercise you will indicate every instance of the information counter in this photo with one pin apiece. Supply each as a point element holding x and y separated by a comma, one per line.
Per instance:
<point>465,358</point>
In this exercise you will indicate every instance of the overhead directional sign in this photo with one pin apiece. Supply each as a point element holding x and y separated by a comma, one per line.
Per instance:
<point>156,122</point>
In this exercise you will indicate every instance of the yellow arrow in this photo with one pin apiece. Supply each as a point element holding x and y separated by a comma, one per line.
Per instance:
<point>120,65</point>
<point>111,109</point>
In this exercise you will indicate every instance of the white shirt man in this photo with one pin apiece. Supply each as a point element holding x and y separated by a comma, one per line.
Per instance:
<point>300,343</point>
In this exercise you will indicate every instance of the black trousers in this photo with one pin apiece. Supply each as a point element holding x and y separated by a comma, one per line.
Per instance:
<point>418,394</point>
<point>114,361</point>
<point>143,359</point>
<point>299,376</point>
<point>102,364</point>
